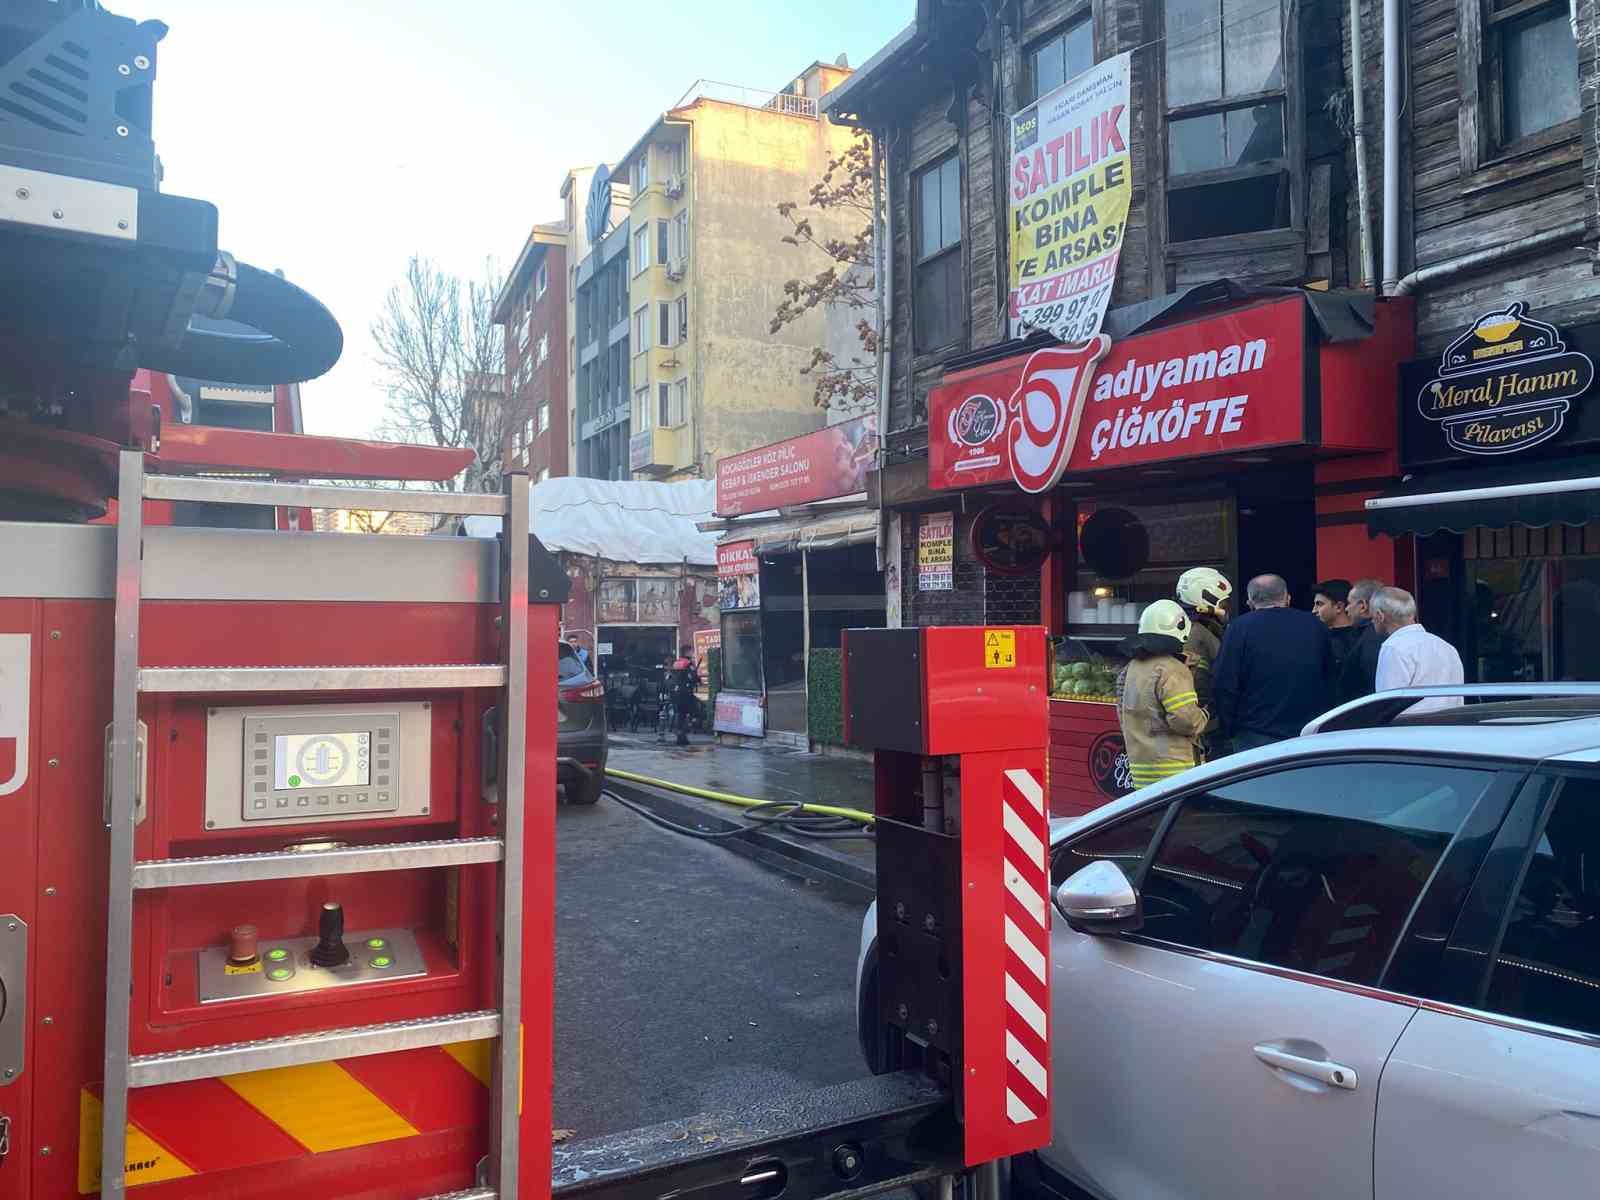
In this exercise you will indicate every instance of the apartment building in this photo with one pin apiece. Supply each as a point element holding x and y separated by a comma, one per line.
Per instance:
<point>532,307</point>
<point>676,365</point>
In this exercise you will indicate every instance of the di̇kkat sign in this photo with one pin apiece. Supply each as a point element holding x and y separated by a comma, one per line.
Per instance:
<point>1507,384</point>
<point>1070,189</point>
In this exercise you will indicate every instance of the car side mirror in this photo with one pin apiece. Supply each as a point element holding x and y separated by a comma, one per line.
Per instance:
<point>1099,899</point>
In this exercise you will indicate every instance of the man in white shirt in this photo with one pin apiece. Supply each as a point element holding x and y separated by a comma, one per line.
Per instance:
<point>1411,656</point>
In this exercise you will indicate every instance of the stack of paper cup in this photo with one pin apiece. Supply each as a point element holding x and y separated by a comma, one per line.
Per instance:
<point>1074,608</point>
<point>1103,610</point>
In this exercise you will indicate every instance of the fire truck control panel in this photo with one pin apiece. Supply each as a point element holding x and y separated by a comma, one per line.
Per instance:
<point>322,763</point>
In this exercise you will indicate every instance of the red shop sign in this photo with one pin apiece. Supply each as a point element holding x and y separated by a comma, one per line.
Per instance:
<point>822,465</point>
<point>1220,385</point>
<point>736,558</point>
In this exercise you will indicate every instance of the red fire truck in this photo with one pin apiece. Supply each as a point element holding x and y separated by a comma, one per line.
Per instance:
<point>277,869</point>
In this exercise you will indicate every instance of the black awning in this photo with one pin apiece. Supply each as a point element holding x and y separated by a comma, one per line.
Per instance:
<point>1534,494</point>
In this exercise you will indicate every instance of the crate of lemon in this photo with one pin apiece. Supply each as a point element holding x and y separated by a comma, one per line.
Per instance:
<point>1092,682</point>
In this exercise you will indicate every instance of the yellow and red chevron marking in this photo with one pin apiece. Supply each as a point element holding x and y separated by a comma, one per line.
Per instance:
<point>263,1117</point>
<point>1027,938</point>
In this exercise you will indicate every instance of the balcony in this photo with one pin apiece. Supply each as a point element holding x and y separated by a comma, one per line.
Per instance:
<point>656,451</point>
<point>785,104</point>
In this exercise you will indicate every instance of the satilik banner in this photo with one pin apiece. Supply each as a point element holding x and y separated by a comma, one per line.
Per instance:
<point>1071,187</point>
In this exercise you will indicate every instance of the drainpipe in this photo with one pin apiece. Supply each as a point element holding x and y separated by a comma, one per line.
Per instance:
<point>1391,144</point>
<point>882,258</point>
<point>1571,231</point>
<point>1359,113</point>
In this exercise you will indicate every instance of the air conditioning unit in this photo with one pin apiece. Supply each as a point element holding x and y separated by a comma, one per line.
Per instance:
<point>674,186</point>
<point>676,269</point>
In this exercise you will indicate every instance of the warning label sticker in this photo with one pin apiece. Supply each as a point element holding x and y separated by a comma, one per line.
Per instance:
<point>999,648</point>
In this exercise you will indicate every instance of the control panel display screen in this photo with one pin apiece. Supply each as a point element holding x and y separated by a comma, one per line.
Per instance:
<point>319,760</point>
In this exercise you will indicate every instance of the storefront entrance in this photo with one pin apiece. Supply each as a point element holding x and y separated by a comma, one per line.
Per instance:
<point>636,647</point>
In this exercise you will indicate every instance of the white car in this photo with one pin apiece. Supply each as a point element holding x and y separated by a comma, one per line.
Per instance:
<point>1358,964</point>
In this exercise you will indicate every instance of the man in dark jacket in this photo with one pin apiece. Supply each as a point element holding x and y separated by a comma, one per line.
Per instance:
<point>1331,605</point>
<point>1359,672</point>
<point>1275,668</point>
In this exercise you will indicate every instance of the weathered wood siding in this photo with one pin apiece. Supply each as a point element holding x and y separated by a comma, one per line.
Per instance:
<point>1458,205</point>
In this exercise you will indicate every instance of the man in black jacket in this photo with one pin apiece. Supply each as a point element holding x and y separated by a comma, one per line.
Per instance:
<point>1274,671</point>
<point>1359,672</point>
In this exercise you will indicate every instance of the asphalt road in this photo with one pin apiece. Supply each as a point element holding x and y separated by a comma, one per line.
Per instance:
<point>689,978</point>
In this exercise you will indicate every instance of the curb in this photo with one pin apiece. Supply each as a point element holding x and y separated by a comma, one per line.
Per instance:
<point>789,855</point>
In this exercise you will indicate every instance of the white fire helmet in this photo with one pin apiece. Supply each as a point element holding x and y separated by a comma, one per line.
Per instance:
<point>1167,618</point>
<point>1204,589</point>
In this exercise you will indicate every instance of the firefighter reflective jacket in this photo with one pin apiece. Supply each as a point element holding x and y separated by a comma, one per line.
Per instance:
<point>1160,714</point>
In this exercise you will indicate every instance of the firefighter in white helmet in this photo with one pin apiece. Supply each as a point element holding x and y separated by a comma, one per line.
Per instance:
<point>1161,715</point>
<point>1204,593</point>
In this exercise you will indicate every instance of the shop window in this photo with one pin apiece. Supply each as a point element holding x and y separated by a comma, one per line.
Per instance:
<point>1547,968</point>
<point>1060,57</point>
<point>1130,555</point>
<point>741,651</point>
<point>1531,599</point>
<point>1228,164</point>
<point>939,305</point>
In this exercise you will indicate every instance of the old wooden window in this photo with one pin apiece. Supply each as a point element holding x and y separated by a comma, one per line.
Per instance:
<point>1533,60</point>
<point>1229,167</point>
<point>1058,58</point>
<point>1517,77</point>
<point>938,306</point>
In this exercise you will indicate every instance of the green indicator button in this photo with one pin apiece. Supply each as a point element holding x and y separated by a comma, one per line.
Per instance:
<point>279,974</point>
<point>294,781</point>
<point>381,961</point>
<point>376,943</point>
<point>277,954</point>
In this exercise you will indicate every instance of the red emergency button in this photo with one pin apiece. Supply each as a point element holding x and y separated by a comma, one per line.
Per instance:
<point>242,944</point>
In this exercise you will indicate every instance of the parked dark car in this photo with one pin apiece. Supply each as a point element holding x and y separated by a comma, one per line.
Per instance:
<point>580,728</point>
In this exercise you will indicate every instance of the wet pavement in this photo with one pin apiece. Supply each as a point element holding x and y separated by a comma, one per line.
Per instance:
<point>767,773</point>
<point>689,978</point>
<point>761,773</point>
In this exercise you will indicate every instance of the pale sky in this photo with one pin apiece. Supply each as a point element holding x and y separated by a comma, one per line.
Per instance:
<point>339,137</point>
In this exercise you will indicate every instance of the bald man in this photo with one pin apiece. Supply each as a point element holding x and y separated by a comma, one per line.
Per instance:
<point>1273,671</point>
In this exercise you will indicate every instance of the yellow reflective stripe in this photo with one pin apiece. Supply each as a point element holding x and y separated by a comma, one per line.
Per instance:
<point>1178,701</point>
<point>321,1106</point>
<point>147,1161</point>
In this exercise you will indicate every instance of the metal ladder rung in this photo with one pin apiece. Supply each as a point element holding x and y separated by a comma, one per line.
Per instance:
<point>215,490</point>
<point>302,864</point>
<point>210,1062</point>
<point>434,677</point>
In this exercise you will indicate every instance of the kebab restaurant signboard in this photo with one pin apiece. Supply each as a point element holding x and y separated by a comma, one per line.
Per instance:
<point>1507,384</point>
<point>822,465</point>
<point>1222,385</point>
<point>1070,189</point>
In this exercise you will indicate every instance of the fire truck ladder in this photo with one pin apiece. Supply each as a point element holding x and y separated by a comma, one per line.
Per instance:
<point>125,767</point>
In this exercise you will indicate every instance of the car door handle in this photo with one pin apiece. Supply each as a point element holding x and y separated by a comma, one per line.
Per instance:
<point>1321,1069</point>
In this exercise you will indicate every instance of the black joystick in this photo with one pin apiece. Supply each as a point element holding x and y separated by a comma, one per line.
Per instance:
<point>330,950</point>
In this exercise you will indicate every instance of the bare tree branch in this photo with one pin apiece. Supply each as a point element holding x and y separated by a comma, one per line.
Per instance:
<point>443,362</point>
<point>847,282</point>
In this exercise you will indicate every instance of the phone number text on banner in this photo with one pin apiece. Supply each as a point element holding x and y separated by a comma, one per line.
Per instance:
<point>1071,186</point>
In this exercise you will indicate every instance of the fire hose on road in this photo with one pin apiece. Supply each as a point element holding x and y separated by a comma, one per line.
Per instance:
<point>821,821</point>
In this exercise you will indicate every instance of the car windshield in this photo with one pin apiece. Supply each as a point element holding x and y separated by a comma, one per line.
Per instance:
<point>568,665</point>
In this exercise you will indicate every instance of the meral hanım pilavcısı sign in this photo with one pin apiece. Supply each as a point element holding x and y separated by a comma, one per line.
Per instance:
<point>1508,383</point>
